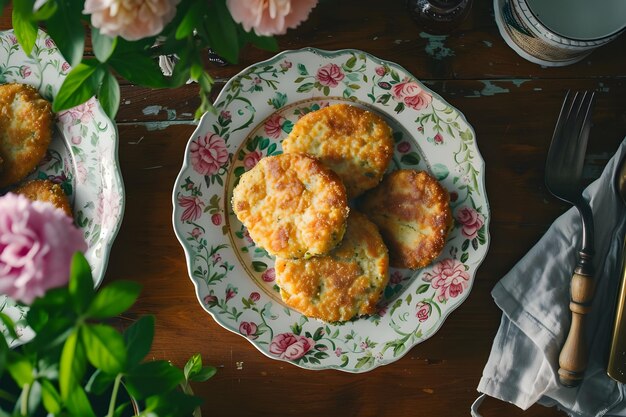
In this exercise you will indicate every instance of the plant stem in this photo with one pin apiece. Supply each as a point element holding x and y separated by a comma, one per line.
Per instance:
<point>116,386</point>
<point>25,395</point>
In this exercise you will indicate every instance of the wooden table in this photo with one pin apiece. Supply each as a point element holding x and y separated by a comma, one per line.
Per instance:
<point>512,105</point>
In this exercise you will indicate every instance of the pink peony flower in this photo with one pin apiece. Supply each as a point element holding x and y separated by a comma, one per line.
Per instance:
<point>37,242</point>
<point>380,71</point>
<point>130,19</point>
<point>192,208</point>
<point>208,154</point>
<point>290,346</point>
<point>438,139</point>
<point>248,329</point>
<point>65,67</point>
<point>269,275</point>
<point>196,232</point>
<point>423,311</point>
<point>49,43</point>
<point>270,17</point>
<point>411,94</point>
<point>251,159</point>
<point>449,278</point>
<point>330,75</point>
<point>216,219</point>
<point>12,39</point>
<point>255,296</point>
<point>285,65</point>
<point>272,126</point>
<point>82,113</point>
<point>471,220</point>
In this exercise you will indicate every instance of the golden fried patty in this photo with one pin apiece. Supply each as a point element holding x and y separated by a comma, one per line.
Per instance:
<point>47,191</point>
<point>412,211</point>
<point>347,282</point>
<point>292,205</point>
<point>355,143</point>
<point>25,131</point>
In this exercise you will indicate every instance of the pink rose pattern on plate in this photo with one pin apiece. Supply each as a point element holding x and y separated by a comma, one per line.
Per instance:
<point>252,307</point>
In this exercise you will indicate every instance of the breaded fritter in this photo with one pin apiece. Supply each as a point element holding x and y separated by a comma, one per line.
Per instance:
<point>25,131</point>
<point>346,283</point>
<point>47,191</point>
<point>355,143</point>
<point>412,211</point>
<point>292,205</point>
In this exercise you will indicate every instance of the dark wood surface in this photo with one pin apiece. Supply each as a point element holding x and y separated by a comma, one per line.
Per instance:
<point>513,125</point>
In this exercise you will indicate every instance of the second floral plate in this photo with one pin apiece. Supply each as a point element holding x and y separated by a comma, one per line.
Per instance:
<point>235,280</point>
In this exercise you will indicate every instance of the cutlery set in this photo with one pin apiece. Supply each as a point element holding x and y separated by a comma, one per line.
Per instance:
<point>563,174</point>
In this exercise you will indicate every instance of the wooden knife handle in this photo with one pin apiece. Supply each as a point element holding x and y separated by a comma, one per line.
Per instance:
<point>573,357</point>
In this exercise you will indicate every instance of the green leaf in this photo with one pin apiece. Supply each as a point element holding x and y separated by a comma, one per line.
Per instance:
<point>103,45</point>
<point>411,158</point>
<point>302,69</point>
<point>72,364</point>
<point>25,28</point>
<point>222,31</point>
<point>350,63</point>
<point>51,397</point>
<point>10,325</point>
<point>305,87</point>
<point>105,347</point>
<point>66,29</point>
<point>422,289</point>
<point>53,334</point>
<point>4,354</point>
<point>259,266</point>
<point>193,366</point>
<point>152,378</point>
<point>440,171</point>
<point>191,20</point>
<point>204,374</point>
<point>81,282</point>
<point>99,382</point>
<point>78,404</point>
<point>267,43</point>
<point>174,403</point>
<point>464,257</point>
<point>139,69</point>
<point>109,95</point>
<point>78,87</point>
<point>46,11</point>
<point>114,299</point>
<point>21,369</point>
<point>138,338</point>
<point>465,245</point>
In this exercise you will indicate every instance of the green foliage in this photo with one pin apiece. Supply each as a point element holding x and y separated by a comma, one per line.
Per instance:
<point>198,25</point>
<point>77,366</point>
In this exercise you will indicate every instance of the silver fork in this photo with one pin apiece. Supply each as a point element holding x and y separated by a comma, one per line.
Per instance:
<point>563,174</point>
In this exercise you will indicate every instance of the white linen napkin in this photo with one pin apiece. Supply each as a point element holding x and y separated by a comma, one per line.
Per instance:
<point>534,297</point>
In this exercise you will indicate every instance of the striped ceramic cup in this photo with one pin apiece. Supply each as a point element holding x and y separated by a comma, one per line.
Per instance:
<point>559,32</point>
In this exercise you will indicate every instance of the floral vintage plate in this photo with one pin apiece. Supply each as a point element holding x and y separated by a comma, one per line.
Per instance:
<point>234,279</point>
<point>82,157</point>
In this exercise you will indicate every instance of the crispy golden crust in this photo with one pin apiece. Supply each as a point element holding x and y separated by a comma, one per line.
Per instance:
<point>292,205</point>
<point>412,211</point>
<point>347,282</point>
<point>47,191</point>
<point>355,143</point>
<point>25,131</point>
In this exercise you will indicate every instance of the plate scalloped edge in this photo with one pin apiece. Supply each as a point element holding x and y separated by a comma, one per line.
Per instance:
<point>429,133</point>
<point>83,156</point>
